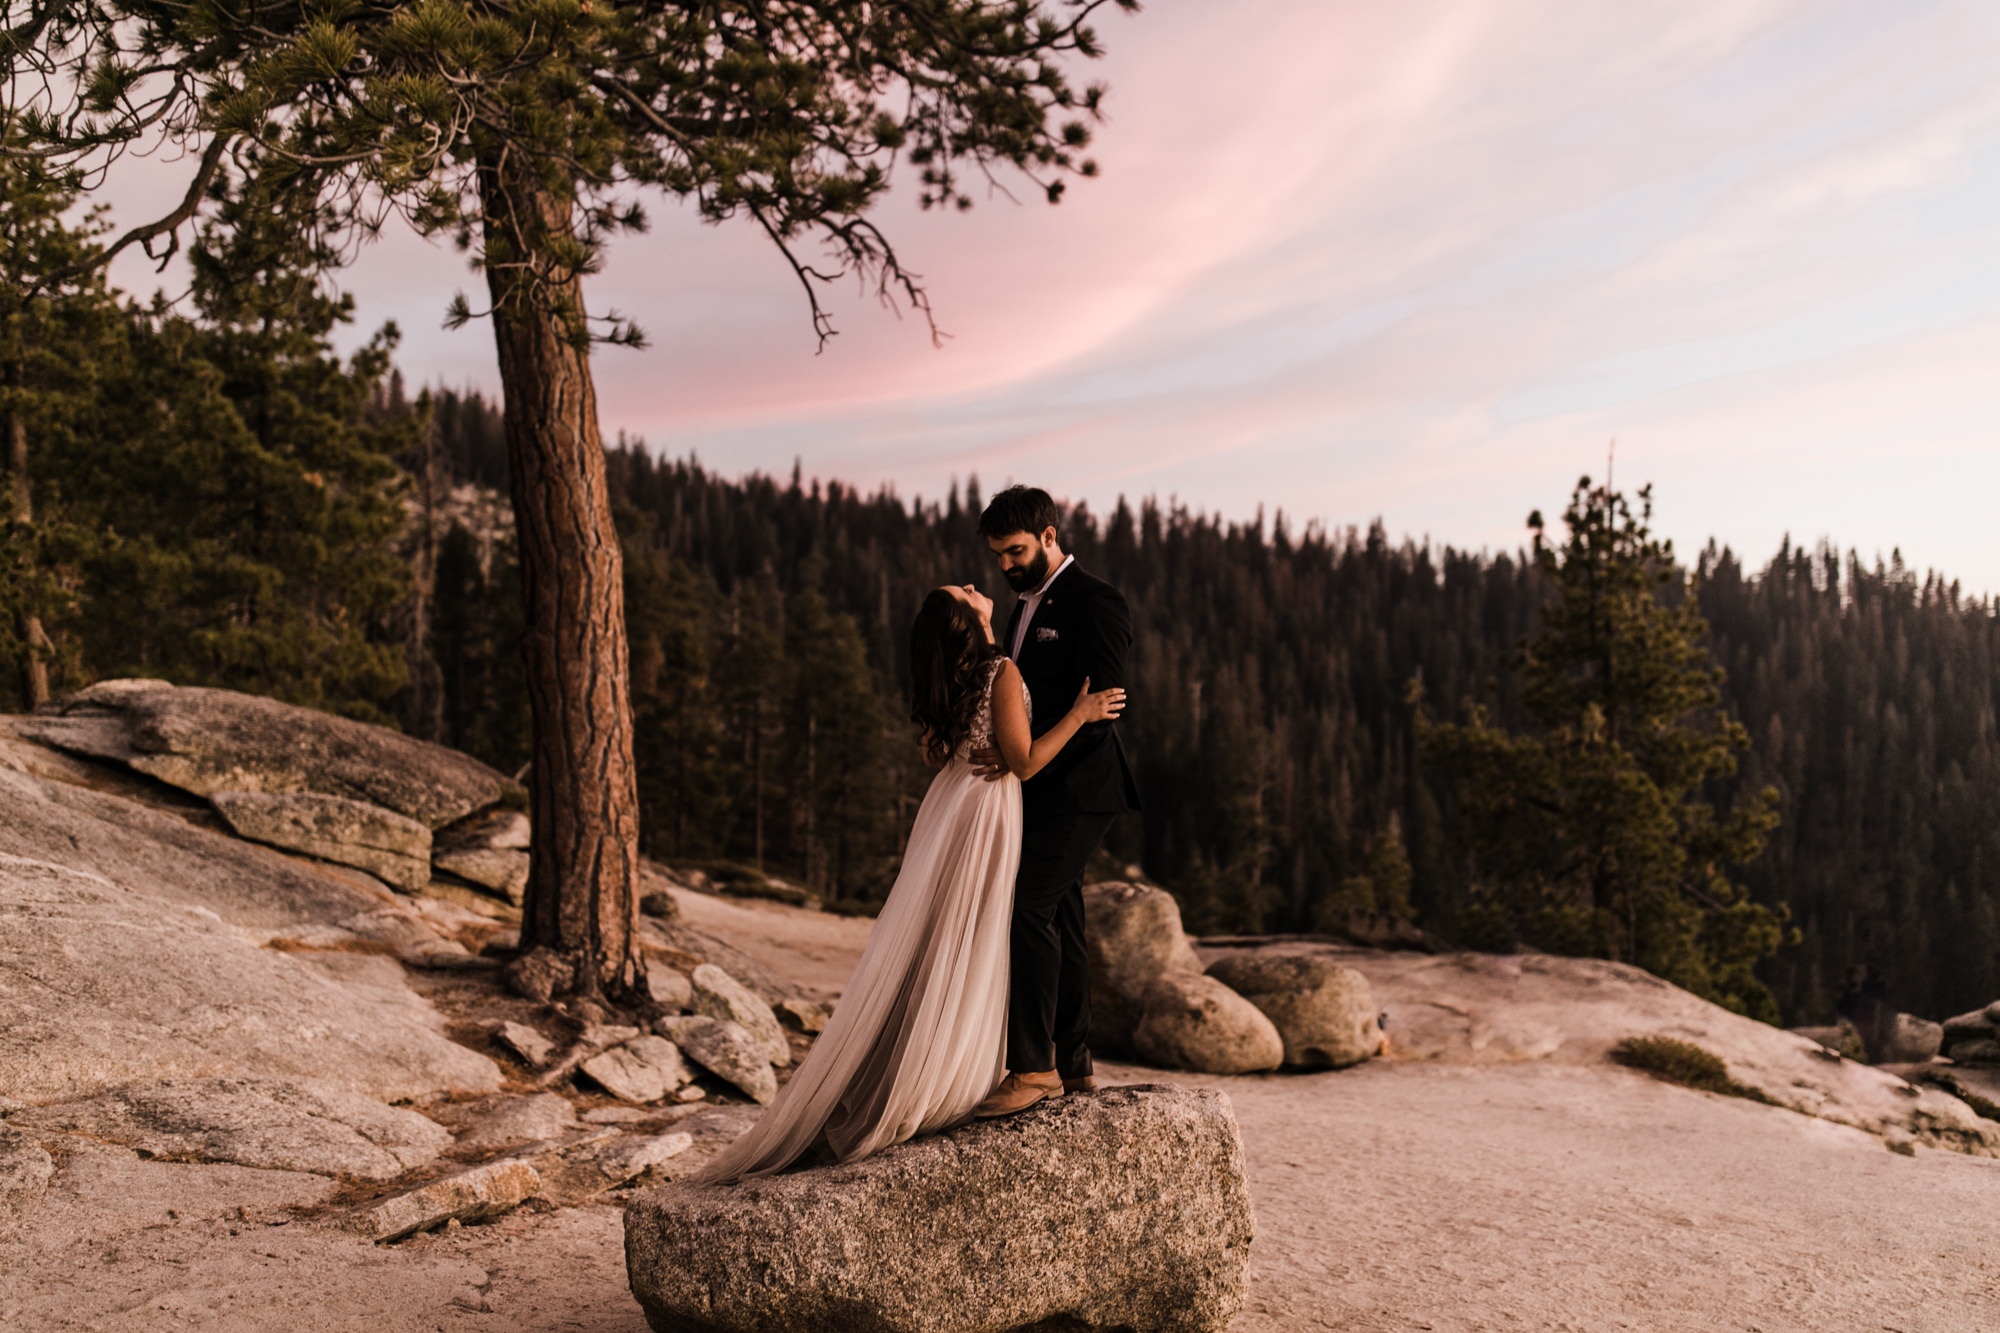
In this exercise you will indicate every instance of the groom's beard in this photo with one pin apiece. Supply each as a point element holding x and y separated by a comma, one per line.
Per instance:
<point>1027,578</point>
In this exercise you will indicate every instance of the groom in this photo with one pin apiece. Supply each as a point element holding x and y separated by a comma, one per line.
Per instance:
<point>1067,627</point>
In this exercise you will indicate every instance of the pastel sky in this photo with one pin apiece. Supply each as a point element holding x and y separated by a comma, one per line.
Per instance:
<point>1422,261</point>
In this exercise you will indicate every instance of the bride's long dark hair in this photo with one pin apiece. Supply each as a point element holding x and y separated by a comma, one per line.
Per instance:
<point>948,655</point>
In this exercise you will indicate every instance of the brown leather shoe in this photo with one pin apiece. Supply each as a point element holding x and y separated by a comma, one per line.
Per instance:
<point>1088,1083</point>
<point>1016,1093</point>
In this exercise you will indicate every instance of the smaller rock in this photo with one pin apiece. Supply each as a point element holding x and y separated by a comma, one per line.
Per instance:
<point>669,987</point>
<point>1910,1040</point>
<point>25,1171</point>
<point>1133,933</point>
<point>1196,1022</point>
<point>644,1069</point>
<point>719,995</point>
<point>606,1034</point>
<point>659,903</point>
<point>505,873</point>
<point>471,1196</point>
<point>519,1120</point>
<point>725,1050</point>
<point>616,1115</point>
<point>533,1048</point>
<point>1325,1013</point>
<point>693,1092</point>
<point>804,1015</point>
<point>629,1157</point>
<point>392,847</point>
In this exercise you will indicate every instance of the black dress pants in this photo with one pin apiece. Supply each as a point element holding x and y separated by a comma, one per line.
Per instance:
<point>1048,1004</point>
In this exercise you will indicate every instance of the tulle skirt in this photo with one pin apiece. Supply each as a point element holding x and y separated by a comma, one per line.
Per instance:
<point>919,1036</point>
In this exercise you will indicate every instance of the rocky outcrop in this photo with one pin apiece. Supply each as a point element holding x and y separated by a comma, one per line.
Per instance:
<point>389,846</point>
<point>719,995</point>
<point>207,741</point>
<point>725,1050</point>
<point>1196,1022</point>
<point>108,838</point>
<point>103,982</point>
<point>470,1196</point>
<point>278,1124</point>
<point>1325,1013</point>
<point>1481,1009</point>
<point>1123,1211</point>
<point>1134,936</point>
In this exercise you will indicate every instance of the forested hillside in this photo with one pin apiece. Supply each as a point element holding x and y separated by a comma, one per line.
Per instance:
<point>218,499</point>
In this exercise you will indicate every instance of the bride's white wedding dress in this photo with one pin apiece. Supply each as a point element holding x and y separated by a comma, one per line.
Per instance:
<point>919,1036</point>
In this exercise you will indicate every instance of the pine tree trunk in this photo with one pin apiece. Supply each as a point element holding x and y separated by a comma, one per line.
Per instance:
<point>578,935</point>
<point>35,671</point>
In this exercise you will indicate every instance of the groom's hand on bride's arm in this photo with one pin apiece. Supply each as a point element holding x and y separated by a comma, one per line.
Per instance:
<point>988,764</point>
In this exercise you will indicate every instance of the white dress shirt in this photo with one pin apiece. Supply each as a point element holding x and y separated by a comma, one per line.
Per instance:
<point>1031,600</point>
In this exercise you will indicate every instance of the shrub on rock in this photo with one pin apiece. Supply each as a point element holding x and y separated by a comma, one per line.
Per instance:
<point>1127,1210</point>
<point>1325,1013</point>
<point>1196,1022</point>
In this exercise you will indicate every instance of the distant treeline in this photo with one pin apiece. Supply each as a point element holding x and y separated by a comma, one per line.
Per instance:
<point>1269,721</point>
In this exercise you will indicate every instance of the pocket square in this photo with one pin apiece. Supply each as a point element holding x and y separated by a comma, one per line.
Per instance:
<point>1046,635</point>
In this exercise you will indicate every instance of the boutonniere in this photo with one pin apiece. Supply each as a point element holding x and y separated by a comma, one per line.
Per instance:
<point>1046,635</point>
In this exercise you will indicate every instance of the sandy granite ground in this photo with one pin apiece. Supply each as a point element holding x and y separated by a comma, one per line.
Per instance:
<point>1393,1196</point>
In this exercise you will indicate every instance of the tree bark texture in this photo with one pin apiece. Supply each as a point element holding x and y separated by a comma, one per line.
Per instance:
<point>578,935</point>
<point>35,671</point>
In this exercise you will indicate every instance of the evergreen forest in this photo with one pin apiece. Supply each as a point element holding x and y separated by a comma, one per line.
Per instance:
<point>206,492</point>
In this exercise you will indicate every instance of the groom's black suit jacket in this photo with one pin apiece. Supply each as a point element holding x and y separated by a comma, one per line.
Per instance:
<point>1082,629</point>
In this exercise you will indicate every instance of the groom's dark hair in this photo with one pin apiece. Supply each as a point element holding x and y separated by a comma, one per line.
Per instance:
<point>1020,509</point>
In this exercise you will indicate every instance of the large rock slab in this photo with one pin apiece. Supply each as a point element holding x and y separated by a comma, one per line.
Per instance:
<point>1196,1022</point>
<point>719,995</point>
<point>725,1050</point>
<point>207,741</point>
<point>392,847</point>
<point>278,1124</point>
<point>1126,1211</point>
<point>1324,1012</point>
<point>101,984</point>
<point>1134,935</point>
<point>121,841</point>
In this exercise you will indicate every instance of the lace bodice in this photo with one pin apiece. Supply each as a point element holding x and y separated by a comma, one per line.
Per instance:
<point>981,735</point>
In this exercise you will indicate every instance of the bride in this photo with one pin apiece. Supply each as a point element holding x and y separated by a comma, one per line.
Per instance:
<point>919,1036</point>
